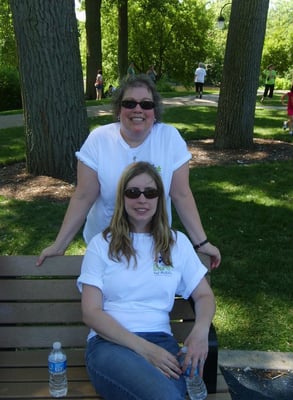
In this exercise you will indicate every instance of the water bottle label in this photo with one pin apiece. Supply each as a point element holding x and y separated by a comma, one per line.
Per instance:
<point>188,369</point>
<point>57,367</point>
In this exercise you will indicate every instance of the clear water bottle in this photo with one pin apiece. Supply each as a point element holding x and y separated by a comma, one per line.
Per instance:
<point>196,387</point>
<point>57,364</point>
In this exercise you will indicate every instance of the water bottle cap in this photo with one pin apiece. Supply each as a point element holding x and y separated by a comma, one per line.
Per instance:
<point>56,345</point>
<point>184,349</point>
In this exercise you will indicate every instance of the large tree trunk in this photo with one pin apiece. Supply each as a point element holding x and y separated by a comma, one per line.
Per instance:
<point>52,85</point>
<point>236,108</point>
<point>94,44</point>
<point>122,37</point>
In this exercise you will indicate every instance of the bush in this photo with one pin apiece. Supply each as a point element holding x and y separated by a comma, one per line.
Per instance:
<point>10,94</point>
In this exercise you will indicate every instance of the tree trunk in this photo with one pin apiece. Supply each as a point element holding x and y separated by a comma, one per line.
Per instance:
<point>52,85</point>
<point>94,44</point>
<point>122,37</point>
<point>236,108</point>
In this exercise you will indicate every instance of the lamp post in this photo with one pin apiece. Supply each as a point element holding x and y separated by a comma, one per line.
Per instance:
<point>221,19</point>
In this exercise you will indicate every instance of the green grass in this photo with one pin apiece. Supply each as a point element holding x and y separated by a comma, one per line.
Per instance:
<point>247,211</point>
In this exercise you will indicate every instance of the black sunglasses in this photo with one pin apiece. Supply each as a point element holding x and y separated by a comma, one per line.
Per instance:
<point>134,193</point>
<point>145,104</point>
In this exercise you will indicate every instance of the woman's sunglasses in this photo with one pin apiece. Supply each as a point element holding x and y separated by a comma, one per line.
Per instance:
<point>134,193</point>
<point>145,104</point>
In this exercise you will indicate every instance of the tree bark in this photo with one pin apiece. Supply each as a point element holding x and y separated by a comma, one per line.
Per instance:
<point>236,108</point>
<point>94,44</point>
<point>122,37</point>
<point>52,85</point>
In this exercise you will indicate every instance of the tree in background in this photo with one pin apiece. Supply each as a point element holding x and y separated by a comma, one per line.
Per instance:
<point>122,37</point>
<point>94,59</point>
<point>236,108</point>
<point>174,37</point>
<point>52,85</point>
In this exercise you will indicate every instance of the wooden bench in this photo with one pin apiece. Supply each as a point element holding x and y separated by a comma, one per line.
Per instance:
<point>41,305</point>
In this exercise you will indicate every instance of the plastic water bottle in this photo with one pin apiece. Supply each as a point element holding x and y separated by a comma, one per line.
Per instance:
<point>196,387</point>
<point>57,364</point>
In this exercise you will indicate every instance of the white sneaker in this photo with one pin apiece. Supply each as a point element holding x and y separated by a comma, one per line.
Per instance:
<point>285,125</point>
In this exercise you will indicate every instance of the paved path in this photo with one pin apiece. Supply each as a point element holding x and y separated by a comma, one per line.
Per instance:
<point>8,121</point>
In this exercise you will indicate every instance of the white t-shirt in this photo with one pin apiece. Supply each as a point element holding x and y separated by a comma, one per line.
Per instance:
<point>141,298</point>
<point>199,75</point>
<point>107,153</point>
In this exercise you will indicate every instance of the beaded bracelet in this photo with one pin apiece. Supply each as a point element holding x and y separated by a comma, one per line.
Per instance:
<point>197,246</point>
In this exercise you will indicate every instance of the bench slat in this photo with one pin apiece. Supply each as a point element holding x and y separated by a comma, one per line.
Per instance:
<point>28,313</point>
<point>42,336</point>
<point>26,265</point>
<point>36,390</point>
<point>38,289</point>
<point>40,374</point>
<point>37,358</point>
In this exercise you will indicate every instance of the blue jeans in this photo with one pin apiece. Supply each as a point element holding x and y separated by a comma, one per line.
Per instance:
<point>118,373</point>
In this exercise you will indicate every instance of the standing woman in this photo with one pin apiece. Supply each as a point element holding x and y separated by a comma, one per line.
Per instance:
<point>99,84</point>
<point>137,135</point>
<point>130,275</point>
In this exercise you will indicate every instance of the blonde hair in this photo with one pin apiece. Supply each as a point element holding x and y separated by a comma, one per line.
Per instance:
<point>119,231</point>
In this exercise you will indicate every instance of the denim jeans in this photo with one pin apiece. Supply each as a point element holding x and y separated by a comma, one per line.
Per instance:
<point>118,373</point>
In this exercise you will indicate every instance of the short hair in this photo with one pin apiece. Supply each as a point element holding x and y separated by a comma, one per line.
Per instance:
<point>140,80</point>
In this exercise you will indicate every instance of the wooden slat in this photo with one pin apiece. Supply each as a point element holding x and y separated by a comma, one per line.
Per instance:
<point>45,289</point>
<point>37,358</point>
<point>182,310</point>
<point>26,265</point>
<point>42,336</point>
<point>40,374</point>
<point>28,313</point>
<point>36,390</point>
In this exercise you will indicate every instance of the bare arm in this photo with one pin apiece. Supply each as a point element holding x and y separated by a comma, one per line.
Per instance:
<point>108,328</point>
<point>86,192</point>
<point>186,208</point>
<point>197,341</point>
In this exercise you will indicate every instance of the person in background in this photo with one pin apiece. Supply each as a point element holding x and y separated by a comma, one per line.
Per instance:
<point>130,70</point>
<point>270,77</point>
<point>130,275</point>
<point>199,78</point>
<point>289,122</point>
<point>152,73</point>
<point>99,84</point>
<point>110,91</point>
<point>138,135</point>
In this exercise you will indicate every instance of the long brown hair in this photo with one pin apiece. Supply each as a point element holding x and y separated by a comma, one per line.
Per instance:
<point>119,231</point>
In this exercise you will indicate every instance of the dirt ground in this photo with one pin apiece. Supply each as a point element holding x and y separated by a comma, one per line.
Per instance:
<point>16,183</point>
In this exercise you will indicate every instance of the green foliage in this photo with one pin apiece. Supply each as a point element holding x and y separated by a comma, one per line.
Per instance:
<point>278,46</point>
<point>10,95</point>
<point>8,55</point>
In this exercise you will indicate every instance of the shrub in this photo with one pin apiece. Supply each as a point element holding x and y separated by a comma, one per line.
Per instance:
<point>10,94</point>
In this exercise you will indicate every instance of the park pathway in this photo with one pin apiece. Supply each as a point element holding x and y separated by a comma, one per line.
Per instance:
<point>211,100</point>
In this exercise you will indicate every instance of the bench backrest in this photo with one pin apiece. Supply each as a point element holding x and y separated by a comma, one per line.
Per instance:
<point>39,305</point>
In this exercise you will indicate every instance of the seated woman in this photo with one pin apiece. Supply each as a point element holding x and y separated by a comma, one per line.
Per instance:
<point>129,277</point>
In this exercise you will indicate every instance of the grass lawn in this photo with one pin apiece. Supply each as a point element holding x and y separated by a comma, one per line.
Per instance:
<point>247,211</point>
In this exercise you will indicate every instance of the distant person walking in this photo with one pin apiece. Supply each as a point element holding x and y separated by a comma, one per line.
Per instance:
<point>289,122</point>
<point>270,77</point>
<point>99,84</point>
<point>199,78</point>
